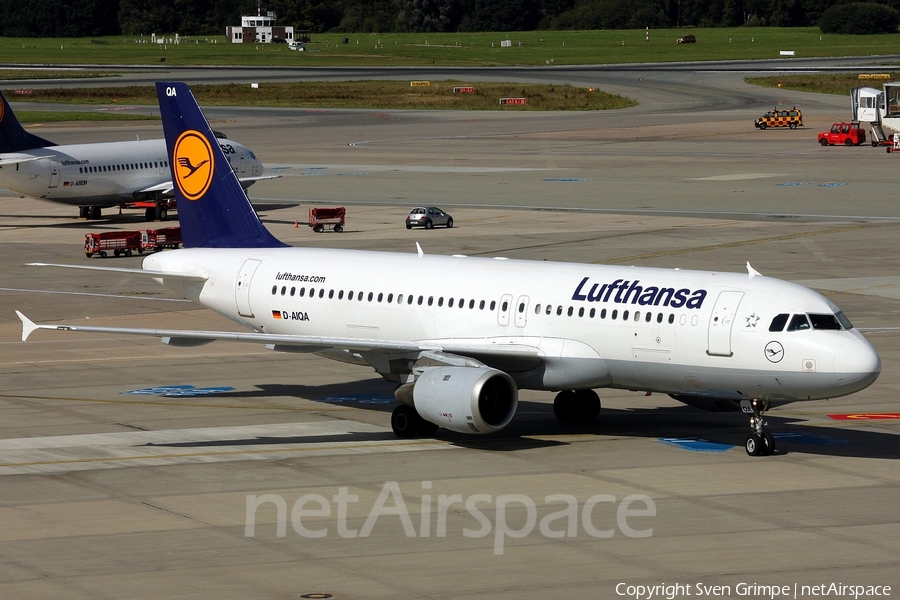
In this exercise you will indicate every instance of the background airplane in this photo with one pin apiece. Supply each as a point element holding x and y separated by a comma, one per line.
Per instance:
<point>462,343</point>
<point>100,175</point>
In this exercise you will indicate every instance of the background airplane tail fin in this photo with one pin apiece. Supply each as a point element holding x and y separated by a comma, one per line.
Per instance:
<point>213,209</point>
<point>13,137</point>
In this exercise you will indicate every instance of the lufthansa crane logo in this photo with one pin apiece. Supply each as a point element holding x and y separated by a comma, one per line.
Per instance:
<point>193,164</point>
<point>774,352</point>
<point>2,110</point>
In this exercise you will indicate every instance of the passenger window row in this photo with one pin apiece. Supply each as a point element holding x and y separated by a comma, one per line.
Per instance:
<point>411,299</point>
<point>126,167</point>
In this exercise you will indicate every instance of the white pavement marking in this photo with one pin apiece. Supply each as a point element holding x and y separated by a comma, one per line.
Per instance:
<point>64,453</point>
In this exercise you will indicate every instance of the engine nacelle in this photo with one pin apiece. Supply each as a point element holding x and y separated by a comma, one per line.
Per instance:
<point>466,399</point>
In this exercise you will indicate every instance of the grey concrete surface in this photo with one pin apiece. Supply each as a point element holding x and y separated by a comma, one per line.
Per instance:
<point>109,494</point>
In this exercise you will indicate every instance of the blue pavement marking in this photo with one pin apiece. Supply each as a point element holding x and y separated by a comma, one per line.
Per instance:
<point>790,184</point>
<point>360,399</point>
<point>565,179</point>
<point>809,440</point>
<point>172,391</point>
<point>836,184</point>
<point>696,444</point>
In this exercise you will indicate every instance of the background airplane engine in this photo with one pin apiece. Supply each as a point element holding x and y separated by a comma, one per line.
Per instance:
<point>466,399</point>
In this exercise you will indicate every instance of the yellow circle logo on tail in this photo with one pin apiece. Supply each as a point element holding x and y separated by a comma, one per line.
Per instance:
<point>193,164</point>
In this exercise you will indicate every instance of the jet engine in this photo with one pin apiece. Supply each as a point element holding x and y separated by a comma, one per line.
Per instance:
<point>466,399</point>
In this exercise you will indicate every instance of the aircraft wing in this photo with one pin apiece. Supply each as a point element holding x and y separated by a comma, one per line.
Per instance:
<point>165,187</point>
<point>520,353</point>
<point>259,178</point>
<point>13,159</point>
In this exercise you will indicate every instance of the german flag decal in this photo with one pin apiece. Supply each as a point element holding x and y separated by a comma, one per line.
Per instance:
<point>276,314</point>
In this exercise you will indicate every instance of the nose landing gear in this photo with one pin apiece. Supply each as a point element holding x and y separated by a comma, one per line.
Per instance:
<point>760,442</point>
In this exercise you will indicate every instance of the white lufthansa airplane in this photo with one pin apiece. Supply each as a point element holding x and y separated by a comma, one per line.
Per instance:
<point>96,176</point>
<point>462,343</point>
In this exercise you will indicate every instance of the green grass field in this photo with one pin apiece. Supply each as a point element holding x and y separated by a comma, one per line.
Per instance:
<point>537,48</point>
<point>830,83</point>
<point>356,94</point>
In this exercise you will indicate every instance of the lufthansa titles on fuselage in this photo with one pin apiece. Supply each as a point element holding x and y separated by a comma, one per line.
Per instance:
<point>623,291</point>
<point>286,276</point>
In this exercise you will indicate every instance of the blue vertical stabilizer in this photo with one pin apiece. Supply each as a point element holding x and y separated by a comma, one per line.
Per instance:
<point>213,209</point>
<point>13,137</point>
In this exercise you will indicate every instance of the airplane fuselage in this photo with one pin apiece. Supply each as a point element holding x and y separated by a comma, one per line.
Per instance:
<point>704,334</point>
<point>106,174</point>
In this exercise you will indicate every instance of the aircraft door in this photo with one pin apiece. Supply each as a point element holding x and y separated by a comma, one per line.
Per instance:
<point>54,174</point>
<point>161,169</point>
<point>504,309</point>
<point>242,287</point>
<point>521,311</point>
<point>721,321</point>
<point>243,163</point>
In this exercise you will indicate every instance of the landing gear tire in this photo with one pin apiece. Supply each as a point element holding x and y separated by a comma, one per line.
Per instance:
<point>407,423</point>
<point>404,421</point>
<point>576,406</point>
<point>753,445</point>
<point>84,212</point>
<point>95,212</point>
<point>768,444</point>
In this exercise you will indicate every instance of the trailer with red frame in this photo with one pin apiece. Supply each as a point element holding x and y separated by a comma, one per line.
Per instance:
<point>322,218</point>
<point>157,239</point>
<point>117,242</point>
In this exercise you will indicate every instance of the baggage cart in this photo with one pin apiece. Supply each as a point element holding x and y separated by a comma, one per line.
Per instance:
<point>321,219</point>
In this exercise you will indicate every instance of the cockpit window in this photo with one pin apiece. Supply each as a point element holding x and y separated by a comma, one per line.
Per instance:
<point>779,322</point>
<point>843,320</point>
<point>798,323</point>
<point>825,322</point>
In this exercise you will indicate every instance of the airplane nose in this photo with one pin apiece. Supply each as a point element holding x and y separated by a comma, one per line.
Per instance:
<point>856,364</point>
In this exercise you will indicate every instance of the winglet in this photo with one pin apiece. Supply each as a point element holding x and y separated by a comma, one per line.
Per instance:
<point>28,326</point>
<point>752,272</point>
<point>419,250</point>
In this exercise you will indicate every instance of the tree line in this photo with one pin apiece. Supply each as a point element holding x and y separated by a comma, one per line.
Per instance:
<point>82,18</point>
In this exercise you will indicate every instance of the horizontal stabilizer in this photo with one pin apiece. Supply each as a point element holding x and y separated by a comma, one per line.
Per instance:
<point>142,272</point>
<point>15,159</point>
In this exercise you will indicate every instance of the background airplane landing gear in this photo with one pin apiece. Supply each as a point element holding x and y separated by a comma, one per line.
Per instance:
<point>576,406</point>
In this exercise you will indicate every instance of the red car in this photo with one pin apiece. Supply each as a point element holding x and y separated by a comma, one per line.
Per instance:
<point>845,133</point>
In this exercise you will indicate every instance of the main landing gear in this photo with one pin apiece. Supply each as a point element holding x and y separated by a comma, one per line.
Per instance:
<point>576,406</point>
<point>760,442</point>
<point>90,213</point>
<point>407,423</point>
<point>156,213</point>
